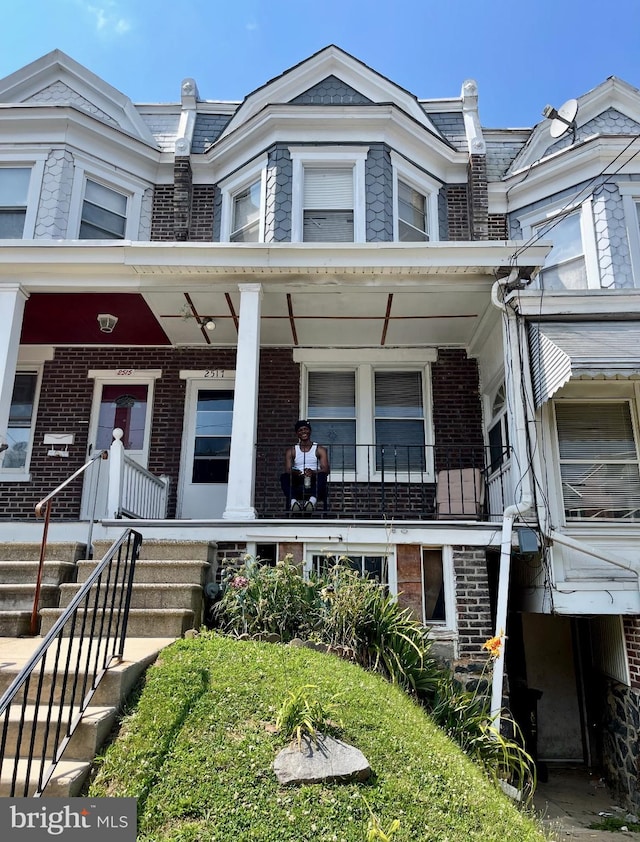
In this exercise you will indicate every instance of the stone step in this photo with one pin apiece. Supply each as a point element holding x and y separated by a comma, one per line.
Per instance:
<point>168,571</point>
<point>166,550</point>
<point>91,732</point>
<point>23,572</point>
<point>143,622</point>
<point>20,597</point>
<point>56,551</point>
<point>148,596</point>
<point>116,684</point>
<point>15,624</point>
<point>66,782</point>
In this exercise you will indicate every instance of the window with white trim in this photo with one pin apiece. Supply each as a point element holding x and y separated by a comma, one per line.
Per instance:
<point>328,203</point>
<point>104,213</point>
<point>564,267</point>
<point>373,419</point>
<point>245,216</point>
<point>415,201</point>
<point>630,192</point>
<point>21,423</point>
<point>413,224</point>
<point>498,432</point>
<point>598,459</point>
<point>374,567</point>
<point>14,192</point>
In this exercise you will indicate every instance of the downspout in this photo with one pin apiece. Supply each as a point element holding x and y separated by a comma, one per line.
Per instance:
<point>523,505</point>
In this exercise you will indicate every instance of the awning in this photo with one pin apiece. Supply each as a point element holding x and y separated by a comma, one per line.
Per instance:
<point>562,350</point>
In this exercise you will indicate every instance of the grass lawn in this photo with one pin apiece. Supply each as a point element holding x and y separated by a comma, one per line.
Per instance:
<point>197,752</point>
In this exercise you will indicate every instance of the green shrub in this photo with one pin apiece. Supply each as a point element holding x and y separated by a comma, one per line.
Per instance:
<point>303,714</point>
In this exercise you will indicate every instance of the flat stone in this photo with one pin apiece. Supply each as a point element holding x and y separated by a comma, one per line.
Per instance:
<point>329,760</point>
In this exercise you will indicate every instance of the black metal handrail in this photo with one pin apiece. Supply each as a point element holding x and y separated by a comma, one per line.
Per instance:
<point>83,643</point>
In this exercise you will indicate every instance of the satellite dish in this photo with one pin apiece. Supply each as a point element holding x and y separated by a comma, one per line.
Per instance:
<point>563,119</point>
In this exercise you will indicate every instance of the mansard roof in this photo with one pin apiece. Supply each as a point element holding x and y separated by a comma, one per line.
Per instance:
<point>56,79</point>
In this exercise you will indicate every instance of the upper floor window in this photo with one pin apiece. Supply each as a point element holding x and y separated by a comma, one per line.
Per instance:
<point>630,192</point>
<point>328,195</point>
<point>245,223</point>
<point>415,203</point>
<point>21,422</point>
<point>412,214</point>
<point>599,464</point>
<point>564,267</point>
<point>104,213</point>
<point>242,213</point>
<point>14,189</point>
<point>328,205</point>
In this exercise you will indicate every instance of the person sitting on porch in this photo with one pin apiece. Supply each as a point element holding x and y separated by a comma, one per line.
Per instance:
<point>306,464</point>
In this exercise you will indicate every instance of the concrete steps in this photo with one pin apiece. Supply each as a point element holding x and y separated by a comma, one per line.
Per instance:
<point>95,726</point>
<point>166,601</point>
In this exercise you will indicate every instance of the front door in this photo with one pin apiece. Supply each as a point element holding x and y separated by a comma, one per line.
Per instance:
<point>205,449</point>
<point>125,403</point>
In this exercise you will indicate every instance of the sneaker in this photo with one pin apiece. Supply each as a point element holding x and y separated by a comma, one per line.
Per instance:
<point>309,506</point>
<point>295,506</point>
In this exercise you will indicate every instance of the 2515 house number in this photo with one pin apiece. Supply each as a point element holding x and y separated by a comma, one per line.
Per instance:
<point>125,372</point>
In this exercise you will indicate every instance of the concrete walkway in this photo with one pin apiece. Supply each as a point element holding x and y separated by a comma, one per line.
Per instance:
<point>571,800</point>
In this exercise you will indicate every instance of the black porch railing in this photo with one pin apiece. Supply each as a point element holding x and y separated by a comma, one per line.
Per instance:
<point>44,704</point>
<point>379,481</point>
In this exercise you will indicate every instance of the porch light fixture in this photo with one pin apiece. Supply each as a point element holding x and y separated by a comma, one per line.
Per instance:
<point>210,324</point>
<point>107,322</point>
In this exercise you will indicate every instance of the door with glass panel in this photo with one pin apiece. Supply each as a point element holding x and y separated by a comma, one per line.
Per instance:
<point>124,404</point>
<point>205,451</point>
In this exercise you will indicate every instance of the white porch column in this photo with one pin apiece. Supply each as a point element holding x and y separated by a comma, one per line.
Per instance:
<point>242,458</point>
<point>12,301</point>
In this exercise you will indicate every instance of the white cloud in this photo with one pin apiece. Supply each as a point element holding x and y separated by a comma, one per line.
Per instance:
<point>108,17</point>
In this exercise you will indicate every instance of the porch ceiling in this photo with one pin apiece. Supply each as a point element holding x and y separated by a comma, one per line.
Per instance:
<point>337,294</point>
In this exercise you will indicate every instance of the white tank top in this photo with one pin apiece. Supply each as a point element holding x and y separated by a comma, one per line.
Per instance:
<point>308,459</point>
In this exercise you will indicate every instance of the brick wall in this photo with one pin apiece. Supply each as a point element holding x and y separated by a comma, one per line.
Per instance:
<point>182,180</point>
<point>478,197</point>
<point>497,226</point>
<point>162,213</point>
<point>202,213</point>
<point>457,412</point>
<point>458,212</point>
<point>472,600</point>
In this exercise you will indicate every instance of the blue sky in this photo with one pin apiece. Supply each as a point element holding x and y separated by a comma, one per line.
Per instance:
<point>523,55</point>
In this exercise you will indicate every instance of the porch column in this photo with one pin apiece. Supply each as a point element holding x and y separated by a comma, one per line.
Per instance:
<point>12,301</point>
<point>242,458</point>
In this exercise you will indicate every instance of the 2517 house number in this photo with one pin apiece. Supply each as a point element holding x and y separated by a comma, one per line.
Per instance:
<point>214,373</point>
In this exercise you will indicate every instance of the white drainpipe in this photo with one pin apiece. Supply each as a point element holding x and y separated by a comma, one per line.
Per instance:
<point>524,504</point>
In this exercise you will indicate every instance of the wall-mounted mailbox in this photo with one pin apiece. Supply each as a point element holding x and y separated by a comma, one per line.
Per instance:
<point>59,443</point>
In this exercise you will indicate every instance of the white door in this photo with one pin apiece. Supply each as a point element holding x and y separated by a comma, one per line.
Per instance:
<point>205,449</point>
<point>125,403</point>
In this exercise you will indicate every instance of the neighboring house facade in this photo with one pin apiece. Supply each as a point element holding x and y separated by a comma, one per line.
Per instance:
<point>455,309</point>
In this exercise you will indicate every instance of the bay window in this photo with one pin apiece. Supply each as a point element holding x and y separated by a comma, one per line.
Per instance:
<point>104,213</point>
<point>564,267</point>
<point>245,222</point>
<point>14,189</point>
<point>412,214</point>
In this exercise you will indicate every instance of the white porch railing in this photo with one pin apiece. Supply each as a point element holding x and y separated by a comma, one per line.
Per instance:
<point>133,490</point>
<point>500,490</point>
